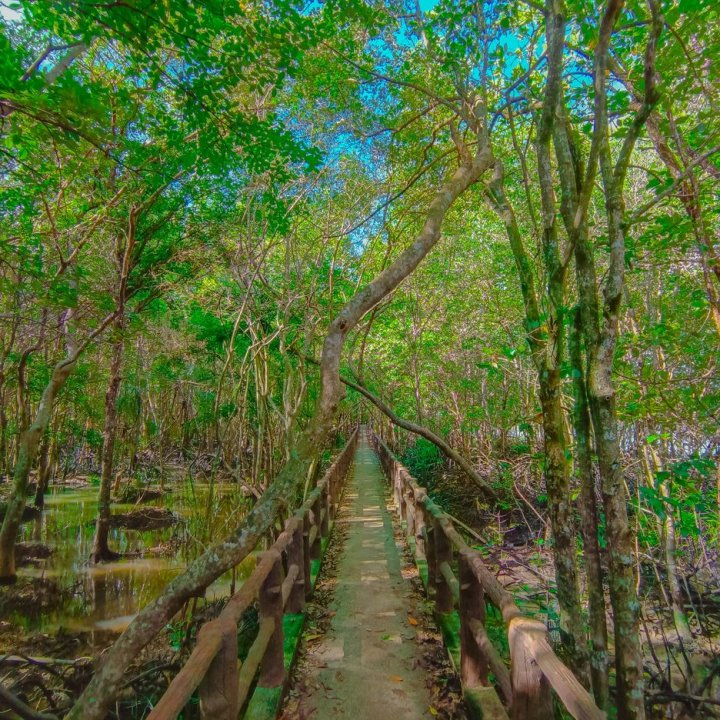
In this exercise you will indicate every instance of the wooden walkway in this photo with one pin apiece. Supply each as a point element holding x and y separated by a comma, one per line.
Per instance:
<point>367,666</point>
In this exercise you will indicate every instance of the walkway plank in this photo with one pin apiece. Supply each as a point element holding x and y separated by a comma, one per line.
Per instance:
<point>367,667</point>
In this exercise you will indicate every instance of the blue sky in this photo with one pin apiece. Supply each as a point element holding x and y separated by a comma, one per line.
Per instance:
<point>9,14</point>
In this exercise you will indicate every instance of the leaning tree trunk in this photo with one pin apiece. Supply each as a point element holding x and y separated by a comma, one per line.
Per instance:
<point>44,468</point>
<point>449,452</point>
<point>100,550</point>
<point>27,452</point>
<point>29,442</point>
<point>97,698</point>
<point>562,521</point>
<point>589,522</point>
<point>546,347</point>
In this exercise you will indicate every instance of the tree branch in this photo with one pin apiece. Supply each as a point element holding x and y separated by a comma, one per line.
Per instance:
<point>440,444</point>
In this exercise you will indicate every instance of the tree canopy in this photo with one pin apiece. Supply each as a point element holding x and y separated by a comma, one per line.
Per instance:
<point>497,222</point>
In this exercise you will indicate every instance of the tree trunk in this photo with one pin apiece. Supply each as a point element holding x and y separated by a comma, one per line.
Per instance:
<point>547,356</point>
<point>44,467</point>
<point>4,465</point>
<point>551,355</point>
<point>562,521</point>
<point>27,452</point>
<point>589,522</point>
<point>600,344</point>
<point>100,550</point>
<point>621,561</point>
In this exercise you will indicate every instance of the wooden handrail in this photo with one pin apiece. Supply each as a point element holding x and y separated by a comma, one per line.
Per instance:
<point>289,582</point>
<point>213,665</point>
<point>496,593</point>
<point>495,662</point>
<point>447,572</point>
<point>573,695</point>
<point>187,680</point>
<point>270,601</point>
<point>534,666</point>
<point>254,658</point>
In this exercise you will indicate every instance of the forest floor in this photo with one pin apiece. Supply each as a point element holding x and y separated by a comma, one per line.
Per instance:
<point>683,677</point>
<point>372,649</point>
<point>368,601</point>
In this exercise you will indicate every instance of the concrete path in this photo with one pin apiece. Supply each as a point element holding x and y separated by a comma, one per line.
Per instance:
<point>367,667</point>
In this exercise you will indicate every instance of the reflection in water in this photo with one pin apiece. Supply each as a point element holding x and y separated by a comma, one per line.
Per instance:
<point>104,598</point>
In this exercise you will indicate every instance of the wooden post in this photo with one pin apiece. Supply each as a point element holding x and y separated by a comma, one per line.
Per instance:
<point>398,491</point>
<point>218,690</point>
<point>325,505</point>
<point>402,494</point>
<point>339,484</point>
<point>409,511</point>
<point>420,550</point>
<point>296,556</point>
<point>397,486</point>
<point>306,554</point>
<point>531,691</point>
<point>430,556</point>
<point>473,665</point>
<point>316,548</point>
<point>272,668</point>
<point>443,553</point>
<point>333,488</point>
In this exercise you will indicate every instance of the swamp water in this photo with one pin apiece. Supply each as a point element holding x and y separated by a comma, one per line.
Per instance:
<point>103,599</point>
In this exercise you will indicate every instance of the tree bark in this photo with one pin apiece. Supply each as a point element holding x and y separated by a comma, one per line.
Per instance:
<point>3,428</point>
<point>546,347</point>
<point>545,335</point>
<point>44,468</point>
<point>27,452</point>
<point>29,441</point>
<point>100,550</point>
<point>600,341</point>
<point>589,523</point>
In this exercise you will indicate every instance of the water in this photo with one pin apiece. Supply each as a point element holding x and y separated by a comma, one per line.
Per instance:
<point>103,599</point>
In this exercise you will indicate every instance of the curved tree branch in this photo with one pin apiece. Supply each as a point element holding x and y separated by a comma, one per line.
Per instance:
<point>449,452</point>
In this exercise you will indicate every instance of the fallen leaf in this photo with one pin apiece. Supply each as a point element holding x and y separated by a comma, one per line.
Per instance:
<point>412,620</point>
<point>433,711</point>
<point>395,678</point>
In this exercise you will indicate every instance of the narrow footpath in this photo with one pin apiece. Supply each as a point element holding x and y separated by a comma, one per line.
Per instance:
<point>368,665</point>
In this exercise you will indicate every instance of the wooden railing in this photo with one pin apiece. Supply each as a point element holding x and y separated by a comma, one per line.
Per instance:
<point>281,584</point>
<point>459,579</point>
